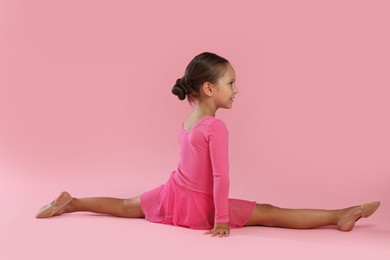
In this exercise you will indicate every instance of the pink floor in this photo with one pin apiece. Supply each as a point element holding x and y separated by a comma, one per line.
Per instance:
<point>88,236</point>
<point>85,106</point>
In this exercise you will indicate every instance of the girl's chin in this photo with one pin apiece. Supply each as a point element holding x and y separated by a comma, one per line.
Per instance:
<point>227,106</point>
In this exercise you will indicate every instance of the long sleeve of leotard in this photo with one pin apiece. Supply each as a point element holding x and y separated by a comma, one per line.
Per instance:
<point>218,147</point>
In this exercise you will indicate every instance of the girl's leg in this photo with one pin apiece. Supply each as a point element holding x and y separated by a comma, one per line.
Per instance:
<point>127,208</point>
<point>344,219</point>
<point>65,203</point>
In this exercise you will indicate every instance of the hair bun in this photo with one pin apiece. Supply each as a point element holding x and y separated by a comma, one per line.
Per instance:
<point>181,88</point>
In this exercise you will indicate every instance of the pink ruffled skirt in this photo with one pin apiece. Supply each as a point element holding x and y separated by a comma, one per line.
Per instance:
<point>176,205</point>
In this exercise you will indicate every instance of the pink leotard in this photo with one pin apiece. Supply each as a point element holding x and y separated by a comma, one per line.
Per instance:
<point>204,163</point>
<point>196,194</point>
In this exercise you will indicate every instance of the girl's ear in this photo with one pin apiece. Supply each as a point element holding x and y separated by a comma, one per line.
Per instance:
<point>208,89</point>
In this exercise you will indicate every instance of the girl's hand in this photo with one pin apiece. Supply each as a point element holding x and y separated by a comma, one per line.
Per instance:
<point>220,229</point>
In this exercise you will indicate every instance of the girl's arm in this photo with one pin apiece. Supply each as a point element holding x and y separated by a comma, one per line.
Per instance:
<point>218,144</point>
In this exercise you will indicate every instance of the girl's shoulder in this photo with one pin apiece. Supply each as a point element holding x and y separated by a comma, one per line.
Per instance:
<point>205,125</point>
<point>212,124</point>
<point>210,120</point>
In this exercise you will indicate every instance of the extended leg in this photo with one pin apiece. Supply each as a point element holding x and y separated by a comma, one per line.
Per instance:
<point>268,215</point>
<point>127,208</point>
<point>65,203</point>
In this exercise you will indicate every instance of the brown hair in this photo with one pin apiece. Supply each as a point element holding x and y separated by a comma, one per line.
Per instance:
<point>205,67</point>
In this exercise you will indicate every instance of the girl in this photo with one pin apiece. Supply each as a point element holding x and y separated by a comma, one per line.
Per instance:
<point>196,194</point>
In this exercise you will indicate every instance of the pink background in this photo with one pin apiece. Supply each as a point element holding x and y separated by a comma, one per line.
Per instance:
<point>85,106</point>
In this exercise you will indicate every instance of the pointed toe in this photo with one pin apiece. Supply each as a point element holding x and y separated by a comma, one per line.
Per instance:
<point>55,207</point>
<point>369,208</point>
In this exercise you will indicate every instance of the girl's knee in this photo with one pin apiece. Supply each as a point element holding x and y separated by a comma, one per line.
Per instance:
<point>132,208</point>
<point>265,207</point>
<point>262,215</point>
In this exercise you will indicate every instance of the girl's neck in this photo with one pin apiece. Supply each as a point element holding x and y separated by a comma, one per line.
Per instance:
<point>200,111</point>
<point>203,109</point>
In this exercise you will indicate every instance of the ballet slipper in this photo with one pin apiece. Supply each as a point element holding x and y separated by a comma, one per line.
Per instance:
<point>56,206</point>
<point>347,222</point>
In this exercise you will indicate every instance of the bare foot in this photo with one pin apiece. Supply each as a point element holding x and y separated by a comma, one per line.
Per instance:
<point>353,214</point>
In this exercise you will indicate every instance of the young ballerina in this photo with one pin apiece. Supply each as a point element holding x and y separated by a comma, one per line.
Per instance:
<point>196,193</point>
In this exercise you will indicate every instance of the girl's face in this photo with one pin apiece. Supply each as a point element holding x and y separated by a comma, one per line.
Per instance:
<point>226,88</point>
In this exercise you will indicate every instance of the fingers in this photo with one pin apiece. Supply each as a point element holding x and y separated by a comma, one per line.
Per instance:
<point>218,232</point>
